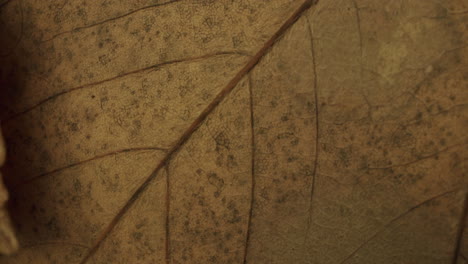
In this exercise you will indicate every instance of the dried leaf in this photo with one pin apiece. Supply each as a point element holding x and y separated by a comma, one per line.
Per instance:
<point>236,131</point>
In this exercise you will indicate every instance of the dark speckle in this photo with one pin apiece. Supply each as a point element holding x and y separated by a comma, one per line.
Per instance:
<point>418,115</point>
<point>442,142</point>
<point>216,181</point>
<point>222,140</point>
<point>137,235</point>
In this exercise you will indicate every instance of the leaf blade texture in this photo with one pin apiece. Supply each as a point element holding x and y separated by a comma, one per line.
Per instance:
<point>236,131</point>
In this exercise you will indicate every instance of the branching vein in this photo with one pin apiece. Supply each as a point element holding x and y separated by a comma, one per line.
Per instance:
<point>197,123</point>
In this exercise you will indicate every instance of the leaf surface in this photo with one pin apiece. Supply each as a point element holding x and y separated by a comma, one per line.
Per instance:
<point>236,131</point>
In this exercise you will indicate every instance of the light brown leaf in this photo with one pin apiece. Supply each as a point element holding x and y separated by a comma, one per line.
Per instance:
<point>236,131</point>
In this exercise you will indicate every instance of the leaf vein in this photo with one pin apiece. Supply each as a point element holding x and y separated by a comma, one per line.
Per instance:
<point>386,226</point>
<point>156,66</point>
<point>116,152</point>
<point>109,19</point>
<point>197,123</point>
